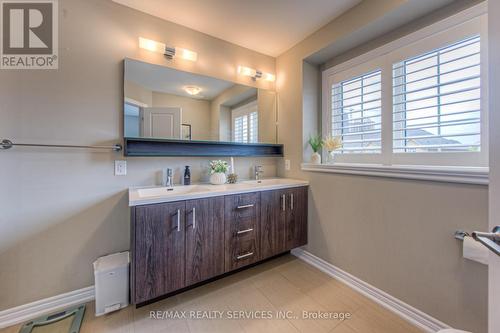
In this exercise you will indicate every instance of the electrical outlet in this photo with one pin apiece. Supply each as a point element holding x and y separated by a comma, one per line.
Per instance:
<point>287,165</point>
<point>120,168</point>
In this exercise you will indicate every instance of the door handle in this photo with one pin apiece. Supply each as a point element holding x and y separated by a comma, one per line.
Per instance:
<point>178,220</point>
<point>194,218</point>
<point>283,202</point>
<point>489,239</point>
<point>291,201</point>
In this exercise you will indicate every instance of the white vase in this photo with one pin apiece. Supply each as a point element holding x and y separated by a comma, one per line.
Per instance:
<point>218,178</point>
<point>331,156</point>
<point>316,158</point>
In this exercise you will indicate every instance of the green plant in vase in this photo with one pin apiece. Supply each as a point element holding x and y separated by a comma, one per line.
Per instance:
<point>316,143</point>
<point>218,169</point>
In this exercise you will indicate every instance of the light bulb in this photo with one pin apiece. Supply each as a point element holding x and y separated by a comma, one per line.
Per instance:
<point>269,77</point>
<point>247,71</point>
<point>151,45</point>
<point>186,54</point>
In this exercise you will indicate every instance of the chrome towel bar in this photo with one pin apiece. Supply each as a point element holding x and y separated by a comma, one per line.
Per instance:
<point>7,144</point>
<point>489,239</point>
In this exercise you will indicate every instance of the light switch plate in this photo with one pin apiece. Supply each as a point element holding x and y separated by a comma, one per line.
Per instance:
<point>287,165</point>
<point>120,168</point>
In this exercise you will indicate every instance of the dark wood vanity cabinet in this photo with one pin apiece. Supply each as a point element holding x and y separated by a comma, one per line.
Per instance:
<point>159,250</point>
<point>178,244</point>
<point>283,220</point>
<point>296,217</point>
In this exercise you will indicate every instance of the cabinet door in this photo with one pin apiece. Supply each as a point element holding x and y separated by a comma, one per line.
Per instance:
<point>296,217</point>
<point>241,219</point>
<point>204,239</point>
<point>272,223</point>
<point>159,250</point>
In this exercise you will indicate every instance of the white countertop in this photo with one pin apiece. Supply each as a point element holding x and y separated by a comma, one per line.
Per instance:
<point>151,195</point>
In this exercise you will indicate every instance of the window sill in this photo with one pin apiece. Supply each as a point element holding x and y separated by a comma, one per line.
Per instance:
<point>463,175</point>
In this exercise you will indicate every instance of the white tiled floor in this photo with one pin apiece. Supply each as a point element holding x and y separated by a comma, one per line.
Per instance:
<point>283,284</point>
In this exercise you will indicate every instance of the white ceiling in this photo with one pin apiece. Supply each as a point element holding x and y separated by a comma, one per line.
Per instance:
<point>267,26</point>
<point>171,81</point>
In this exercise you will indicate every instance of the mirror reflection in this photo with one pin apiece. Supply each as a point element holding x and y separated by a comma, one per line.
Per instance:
<point>166,103</point>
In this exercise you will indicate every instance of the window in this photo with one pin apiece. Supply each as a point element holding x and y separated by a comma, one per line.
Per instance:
<point>245,123</point>
<point>415,101</point>
<point>437,100</point>
<point>356,113</point>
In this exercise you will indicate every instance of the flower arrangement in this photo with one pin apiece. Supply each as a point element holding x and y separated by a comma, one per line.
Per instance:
<point>218,166</point>
<point>332,143</point>
<point>315,142</point>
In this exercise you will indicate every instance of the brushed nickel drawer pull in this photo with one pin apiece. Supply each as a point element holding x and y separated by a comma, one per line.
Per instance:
<point>245,206</point>
<point>244,231</point>
<point>244,255</point>
<point>283,202</point>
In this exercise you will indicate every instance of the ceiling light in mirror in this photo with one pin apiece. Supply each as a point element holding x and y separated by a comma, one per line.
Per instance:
<point>192,90</point>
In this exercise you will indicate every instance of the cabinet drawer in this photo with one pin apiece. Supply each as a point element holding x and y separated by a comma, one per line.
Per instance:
<point>243,206</point>
<point>242,215</point>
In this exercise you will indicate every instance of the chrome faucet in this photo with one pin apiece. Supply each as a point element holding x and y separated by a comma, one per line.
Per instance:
<point>168,180</point>
<point>258,171</point>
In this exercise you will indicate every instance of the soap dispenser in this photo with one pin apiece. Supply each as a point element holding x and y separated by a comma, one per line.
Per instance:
<point>187,176</point>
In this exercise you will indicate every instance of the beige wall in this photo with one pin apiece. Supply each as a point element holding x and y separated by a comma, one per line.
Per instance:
<point>61,209</point>
<point>138,93</point>
<point>394,234</point>
<point>195,112</point>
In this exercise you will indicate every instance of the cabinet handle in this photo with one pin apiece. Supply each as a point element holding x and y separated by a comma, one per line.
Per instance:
<point>178,220</point>
<point>244,231</point>
<point>283,202</point>
<point>245,206</point>
<point>194,218</point>
<point>291,201</point>
<point>244,255</point>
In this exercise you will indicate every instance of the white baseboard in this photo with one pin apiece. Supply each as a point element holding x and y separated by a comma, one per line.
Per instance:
<point>32,310</point>
<point>407,312</point>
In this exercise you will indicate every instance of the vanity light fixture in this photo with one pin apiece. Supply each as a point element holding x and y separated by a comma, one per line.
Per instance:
<point>169,52</point>
<point>255,74</point>
<point>192,90</point>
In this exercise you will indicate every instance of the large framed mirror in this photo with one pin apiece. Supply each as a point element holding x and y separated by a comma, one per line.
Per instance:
<point>163,104</point>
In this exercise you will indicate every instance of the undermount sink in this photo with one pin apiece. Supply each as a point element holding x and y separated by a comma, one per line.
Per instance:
<point>167,191</point>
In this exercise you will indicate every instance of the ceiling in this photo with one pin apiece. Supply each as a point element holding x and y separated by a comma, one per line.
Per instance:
<point>171,81</point>
<point>265,26</point>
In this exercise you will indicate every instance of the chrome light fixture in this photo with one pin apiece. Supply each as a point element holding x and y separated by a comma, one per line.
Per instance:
<point>255,74</point>
<point>169,52</point>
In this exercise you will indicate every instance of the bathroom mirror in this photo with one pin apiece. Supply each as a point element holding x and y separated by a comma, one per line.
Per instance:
<point>165,103</point>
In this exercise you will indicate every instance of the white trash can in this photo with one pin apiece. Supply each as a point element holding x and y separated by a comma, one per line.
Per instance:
<point>111,282</point>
